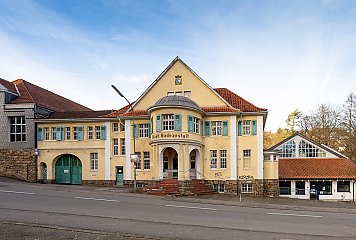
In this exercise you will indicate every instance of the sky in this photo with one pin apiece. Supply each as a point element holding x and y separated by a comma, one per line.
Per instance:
<point>280,55</point>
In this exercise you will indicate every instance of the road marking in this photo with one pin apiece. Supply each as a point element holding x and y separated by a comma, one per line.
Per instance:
<point>97,199</point>
<point>29,193</point>
<point>295,215</point>
<point>200,208</point>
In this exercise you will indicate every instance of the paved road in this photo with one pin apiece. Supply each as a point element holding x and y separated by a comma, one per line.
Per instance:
<point>141,215</point>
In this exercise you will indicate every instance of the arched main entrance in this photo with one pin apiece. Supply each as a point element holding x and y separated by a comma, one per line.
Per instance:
<point>192,162</point>
<point>68,170</point>
<point>170,163</point>
<point>43,169</point>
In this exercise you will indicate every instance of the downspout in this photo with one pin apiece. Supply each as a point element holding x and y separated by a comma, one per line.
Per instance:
<point>353,190</point>
<point>237,156</point>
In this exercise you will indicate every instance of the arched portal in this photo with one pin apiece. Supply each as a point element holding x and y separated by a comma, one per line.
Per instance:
<point>170,163</point>
<point>43,172</point>
<point>193,164</point>
<point>68,170</point>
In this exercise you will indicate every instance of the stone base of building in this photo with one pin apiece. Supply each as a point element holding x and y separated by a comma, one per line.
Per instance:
<point>100,183</point>
<point>271,187</point>
<point>18,163</point>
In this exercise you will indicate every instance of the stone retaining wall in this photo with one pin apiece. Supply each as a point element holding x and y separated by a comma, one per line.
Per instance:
<point>18,163</point>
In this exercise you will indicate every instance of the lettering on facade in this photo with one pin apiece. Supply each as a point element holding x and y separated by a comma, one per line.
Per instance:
<point>246,177</point>
<point>171,135</point>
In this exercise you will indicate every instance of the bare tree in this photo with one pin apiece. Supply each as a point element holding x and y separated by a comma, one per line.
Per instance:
<point>349,126</point>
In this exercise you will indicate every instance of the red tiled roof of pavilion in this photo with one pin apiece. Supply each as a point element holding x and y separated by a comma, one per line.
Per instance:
<point>238,102</point>
<point>30,93</point>
<point>316,168</point>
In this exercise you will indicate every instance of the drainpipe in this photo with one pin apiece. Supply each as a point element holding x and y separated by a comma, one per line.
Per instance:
<point>237,156</point>
<point>353,190</point>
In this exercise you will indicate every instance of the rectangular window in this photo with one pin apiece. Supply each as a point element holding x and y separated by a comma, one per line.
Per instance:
<point>343,186</point>
<point>179,93</point>
<point>93,161</point>
<point>146,160</point>
<point>68,132</point>
<point>213,159</point>
<point>216,128</point>
<point>187,94</point>
<point>170,93</point>
<point>46,133</point>
<point>267,157</point>
<point>285,187</point>
<point>195,125</point>
<point>246,188</point>
<point>168,122</point>
<point>122,126</point>
<point>115,127</point>
<point>75,133</point>
<point>54,133</point>
<point>17,129</point>
<point>247,159</point>
<point>223,159</point>
<point>138,163</point>
<point>122,146</point>
<point>97,132</point>
<point>220,188</point>
<point>299,188</point>
<point>116,146</point>
<point>246,127</point>
<point>143,130</point>
<point>90,133</point>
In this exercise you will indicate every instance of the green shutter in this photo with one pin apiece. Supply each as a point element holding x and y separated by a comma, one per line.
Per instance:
<point>239,128</point>
<point>39,134</point>
<point>102,132</point>
<point>190,123</point>
<point>177,122</point>
<point>225,130</point>
<point>59,133</point>
<point>134,131</point>
<point>158,123</point>
<point>201,127</point>
<point>80,133</point>
<point>150,127</point>
<point>254,127</point>
<point>206,128</point>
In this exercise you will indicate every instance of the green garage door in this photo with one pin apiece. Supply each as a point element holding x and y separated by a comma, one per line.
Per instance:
<point>68,170</point>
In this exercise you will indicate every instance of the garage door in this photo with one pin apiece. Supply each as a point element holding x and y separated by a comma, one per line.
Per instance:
<point>68,170</point>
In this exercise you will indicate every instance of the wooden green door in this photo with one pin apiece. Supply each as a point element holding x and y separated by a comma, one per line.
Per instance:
<point>68,170</point>
<point>119,175</point>
<point>76,171</point>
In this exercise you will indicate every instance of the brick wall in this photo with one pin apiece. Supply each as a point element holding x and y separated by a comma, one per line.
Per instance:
<point>18,163</point>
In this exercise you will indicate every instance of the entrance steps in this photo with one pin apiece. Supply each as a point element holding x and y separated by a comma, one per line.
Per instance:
<point>177,188</point>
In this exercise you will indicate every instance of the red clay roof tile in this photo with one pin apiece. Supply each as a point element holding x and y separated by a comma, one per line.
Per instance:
<point>8,85</point>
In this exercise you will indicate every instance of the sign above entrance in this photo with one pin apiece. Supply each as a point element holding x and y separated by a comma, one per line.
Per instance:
<point>170,135</point>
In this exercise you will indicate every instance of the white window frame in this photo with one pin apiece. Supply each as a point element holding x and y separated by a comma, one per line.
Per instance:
<point>115,147</point>
<point>90,133</point>
<point>138,163</point>
<point>17,126</point>
<point>143,130</point>
<point>246,159</point>
<point>68,133</point>
<point>54,133</point>
<point>115,127</point>
<point>122,146</point>
<point>219,187</point>
<point>246,127</point>
<point>94,161</point>
<point>216,128</point>
<point>168,122</point>
<point>75,133</point>
<point>46,133</point>
<point>97,132</point>
<point>187,94</point>
<point>247,188</point>
<point>195,125</point>
<point>223,159</point>
<point>213,159</point>
<point>146,160</point>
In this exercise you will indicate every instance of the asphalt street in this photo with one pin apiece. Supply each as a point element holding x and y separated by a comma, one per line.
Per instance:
<point>94,209</point>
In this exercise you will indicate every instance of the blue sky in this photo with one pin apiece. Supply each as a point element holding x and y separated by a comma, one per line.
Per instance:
<point>279,55</point>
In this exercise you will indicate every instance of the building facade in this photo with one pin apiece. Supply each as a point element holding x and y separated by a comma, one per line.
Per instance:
<point>180,127</point>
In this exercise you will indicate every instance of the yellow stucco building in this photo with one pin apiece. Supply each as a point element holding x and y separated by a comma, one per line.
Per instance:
<point>180,127</point>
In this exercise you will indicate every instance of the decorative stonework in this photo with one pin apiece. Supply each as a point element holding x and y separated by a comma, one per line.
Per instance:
<point>18,163</point>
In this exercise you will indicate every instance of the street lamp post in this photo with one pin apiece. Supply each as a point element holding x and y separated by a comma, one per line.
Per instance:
<point>134,141</point>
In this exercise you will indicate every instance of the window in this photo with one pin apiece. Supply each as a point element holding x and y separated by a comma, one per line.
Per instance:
<point>17,129</point>
<point>246,188</point>
<point>93,161</point>
<point>216,128</point>
<point>187,94</point>
<point>138,163</point>
<point>68,133</point>
<point>343,186</point>
<point>122,126</point>
<point>54,133</point>
<point>122,146</point>
<point>213,159</point>
<point>143,130</point>
<point>168,122</point>
<point>195,125</point>
<point>288,150</point>
<point>308,150</point>
<point>97,132</point>
<point>75,133</point>
<point>219,187</point>
<point>115,127</point>
<point>90,133</point>
<point>46,133</point>
<point>223,159</point>
<point>170,93</point>
<point>284,187</point>
<point>267,157</point>
<point>247,159</point>
<point>179,93</point>
<point>274,157</point>
<point>246,127</point>
<point>146,160</point>
<point>299,188</point>
<point>116,146</point>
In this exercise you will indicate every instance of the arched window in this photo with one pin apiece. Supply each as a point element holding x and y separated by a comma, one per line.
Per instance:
<point>288,149</point>
<point>307,150</point>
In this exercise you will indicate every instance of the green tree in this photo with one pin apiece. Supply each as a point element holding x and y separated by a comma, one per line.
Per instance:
<point>293,119</point>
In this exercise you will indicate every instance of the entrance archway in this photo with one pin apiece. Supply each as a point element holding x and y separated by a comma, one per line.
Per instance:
<point>193,164</point>
<point>170,163</point>
<point>68,170</point>
<point>43,169</point>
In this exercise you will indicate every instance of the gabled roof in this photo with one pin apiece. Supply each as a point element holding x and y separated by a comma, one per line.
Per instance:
<point>326,148</point>
<point>316,168</point>
<point>176,59</point>
<point>238,102</point>
<point>30,93</point>
<point>9,86</point>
